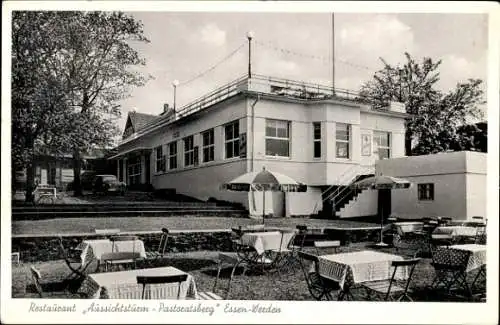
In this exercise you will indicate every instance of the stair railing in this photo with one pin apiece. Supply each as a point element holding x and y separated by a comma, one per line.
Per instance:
<point>348,189</point>
<point>346,177</point>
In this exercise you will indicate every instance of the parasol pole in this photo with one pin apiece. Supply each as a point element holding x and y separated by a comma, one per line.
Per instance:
<point>263,204</point>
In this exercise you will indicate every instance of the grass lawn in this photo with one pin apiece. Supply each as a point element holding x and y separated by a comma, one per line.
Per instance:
<point>187,222</point>
<point>202,266</point>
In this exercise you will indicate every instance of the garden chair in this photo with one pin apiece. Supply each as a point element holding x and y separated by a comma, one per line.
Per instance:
<point>154,255</point>
<point>115,259</point>
<point>235,260</point>
<point>122,238</point>
<point>148,280</point>
<point>286,255</point>
<point>36,277</point>
<point>322,245</point>
<point>301,237</point>
<point>319,287</point>
<point>394,288</point>
<point>73,260</point>
<point>450,269</point>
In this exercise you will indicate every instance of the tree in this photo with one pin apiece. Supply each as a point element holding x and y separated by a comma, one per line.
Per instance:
<point>89,58</point>
<point>434,116</point>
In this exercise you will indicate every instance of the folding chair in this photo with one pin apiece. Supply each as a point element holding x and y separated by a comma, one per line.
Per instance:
<point>301,237</point>
<point>394,287</point>
<point>165,279</point>
<point>319,287</point>
<point>326,244</point>
<point>286,256</point>
<point>122,238</point>
<point>154,255</point>
<point>111,260</point>
<point>36,277</point>
<point>235,260</point>
<point>450,269</point>
<point>72,257</point>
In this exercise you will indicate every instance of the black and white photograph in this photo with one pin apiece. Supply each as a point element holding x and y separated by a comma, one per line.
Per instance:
<point>253,159</point>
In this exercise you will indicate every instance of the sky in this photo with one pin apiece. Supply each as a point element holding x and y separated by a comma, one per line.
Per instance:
<point>205,50</point>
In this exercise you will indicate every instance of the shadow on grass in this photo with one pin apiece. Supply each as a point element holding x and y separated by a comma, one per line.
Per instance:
<point>56,289</point>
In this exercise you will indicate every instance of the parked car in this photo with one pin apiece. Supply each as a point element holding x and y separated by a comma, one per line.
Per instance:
<point>86,180</point>
<point>108,184</point>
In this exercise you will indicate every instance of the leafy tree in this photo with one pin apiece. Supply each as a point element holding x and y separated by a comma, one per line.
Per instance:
<point>89,57</point>
<point>434,116</point>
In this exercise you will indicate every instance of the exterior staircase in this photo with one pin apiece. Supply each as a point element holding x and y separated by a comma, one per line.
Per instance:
<point>336,197</point>
<point>126,209</point>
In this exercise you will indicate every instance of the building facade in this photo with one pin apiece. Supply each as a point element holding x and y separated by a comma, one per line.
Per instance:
<point>451,184</point>
<point>290,127</point>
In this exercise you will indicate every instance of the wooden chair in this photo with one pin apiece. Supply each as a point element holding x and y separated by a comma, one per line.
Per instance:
<point>319,287</point>
<point>450,268</point>
<point>393,287</point>
<point>73,260</point>
<point>165,279</point>
<point>301,236</point>
<point>153,255</point>
<point>286,255</point>
<point>36,277</point>
<point>111,260</point>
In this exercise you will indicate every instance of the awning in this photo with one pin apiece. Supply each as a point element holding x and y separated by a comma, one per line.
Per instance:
<point>123,153</point>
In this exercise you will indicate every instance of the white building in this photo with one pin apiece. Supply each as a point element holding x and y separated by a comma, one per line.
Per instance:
<point>451,184</point>
<point>290,127</point>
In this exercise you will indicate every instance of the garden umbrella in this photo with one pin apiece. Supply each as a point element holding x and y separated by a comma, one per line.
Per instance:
<point>381,182</point>
<point>264,180</point>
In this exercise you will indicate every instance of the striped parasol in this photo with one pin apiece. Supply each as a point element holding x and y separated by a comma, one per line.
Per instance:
<point>264,180</point>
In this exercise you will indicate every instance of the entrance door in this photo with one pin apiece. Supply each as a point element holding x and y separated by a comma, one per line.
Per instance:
<point>148,169</point>
<point>384,203</point>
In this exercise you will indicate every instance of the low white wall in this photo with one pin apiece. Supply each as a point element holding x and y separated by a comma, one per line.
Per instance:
<point>365,204</point>
<point>204,182</point>
<point>300,204</point>
<point>476,195</point>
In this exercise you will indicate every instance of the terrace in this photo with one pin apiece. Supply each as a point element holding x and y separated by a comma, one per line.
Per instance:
<point>270,86</point>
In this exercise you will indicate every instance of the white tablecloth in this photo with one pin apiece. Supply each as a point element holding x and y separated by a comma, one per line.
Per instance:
<point>409,226</point>
<point>456,231</point>
<point>264,241</point>
<point>477,257</point>
<point>357,267</point>
<point>123,285</point>
<point>93,249</point>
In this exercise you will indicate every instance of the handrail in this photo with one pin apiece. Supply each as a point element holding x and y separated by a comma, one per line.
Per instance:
<point>348,187</point>
<point>277,86</point>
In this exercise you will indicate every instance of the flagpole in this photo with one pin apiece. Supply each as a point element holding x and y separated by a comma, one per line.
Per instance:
<point>333,53</point>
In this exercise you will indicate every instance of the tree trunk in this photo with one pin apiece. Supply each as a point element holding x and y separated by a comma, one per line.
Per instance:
<point>408,140</point>
<point>30,171</point>
<point>77,167</point>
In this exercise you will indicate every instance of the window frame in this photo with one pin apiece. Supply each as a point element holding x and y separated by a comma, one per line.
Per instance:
<point>210,146</point>
<point>134,170</point>
<point>159,161</point>
<point>170,155</point>
<point>342,141</point>
<point>426,192</point>
<point>376,143</point>
<point>188,153</point>
<point>317,140</point>
<point>278,138</point>
<point>234,141</point>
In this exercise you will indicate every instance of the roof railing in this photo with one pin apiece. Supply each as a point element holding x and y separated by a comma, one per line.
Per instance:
<point>261,84</point>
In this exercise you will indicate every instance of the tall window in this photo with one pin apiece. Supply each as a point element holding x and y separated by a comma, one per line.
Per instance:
<point>277,138</point>
<point>317,139</point>
<point>188,151</point>
<point>382,144</point>
<point>426,192</point>
<point>172,155</point>
<point>342,138</point>
<point>160,159</point>
<point>134,170</point>
<point>208,145</point>
<point>232,139</point>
